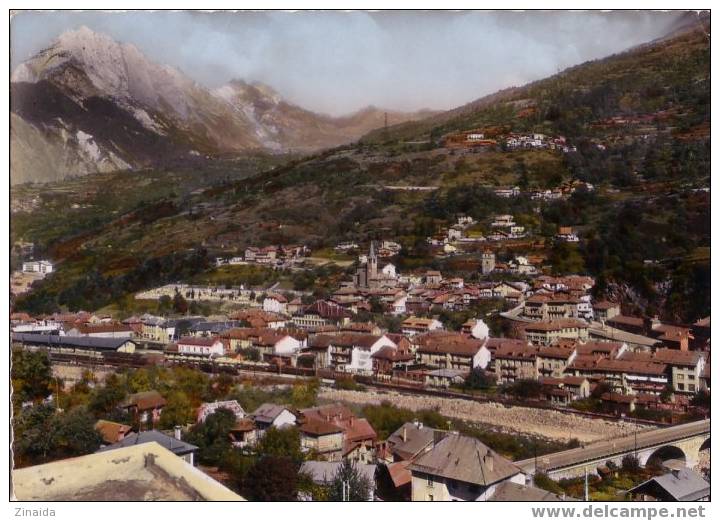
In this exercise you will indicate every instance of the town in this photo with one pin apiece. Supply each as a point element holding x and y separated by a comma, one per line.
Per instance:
<point>312,257</point>
<point>557,350</point>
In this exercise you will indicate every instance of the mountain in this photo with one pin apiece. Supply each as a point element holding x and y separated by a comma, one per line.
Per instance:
<point>90,104</point>
<point>640,120</point>
<point>668,73</point>
<point>280,125</point>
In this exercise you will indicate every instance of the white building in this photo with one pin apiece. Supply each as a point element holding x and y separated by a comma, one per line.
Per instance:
<point>41,266</point>
<point>200,346</point>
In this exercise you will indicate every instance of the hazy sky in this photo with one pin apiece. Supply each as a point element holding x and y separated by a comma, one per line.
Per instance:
<point>338,62</point>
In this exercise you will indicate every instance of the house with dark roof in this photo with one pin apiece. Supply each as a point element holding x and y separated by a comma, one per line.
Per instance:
<point>272,415</point>
<point>678,485</point>
<point>81,345</point>
<point>461,468</point>
<point>174,444</point>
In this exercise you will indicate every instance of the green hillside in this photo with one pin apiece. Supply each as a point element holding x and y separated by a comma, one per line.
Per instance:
<point>131,231</point>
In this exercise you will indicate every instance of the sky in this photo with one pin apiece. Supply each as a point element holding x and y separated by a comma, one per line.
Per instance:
<point>338,62</point>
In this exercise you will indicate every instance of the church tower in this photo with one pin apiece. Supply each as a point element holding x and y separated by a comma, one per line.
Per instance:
<point>488,262</point>
<point>372,263</point>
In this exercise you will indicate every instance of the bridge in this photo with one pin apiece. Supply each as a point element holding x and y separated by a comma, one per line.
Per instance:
<point>676,444</point>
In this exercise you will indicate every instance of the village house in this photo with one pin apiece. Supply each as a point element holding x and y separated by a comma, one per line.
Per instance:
<point>322,313</point>
<point>445,378</point>
<point>41,266</point>
<point>244,433</point>
<point>112,432</point>
<point>275,303</point>
<point>414,325</point>
<point>388,358</point>
<point>358,440</point>
<point>174,444</point>
<point>145,407</point>
<point>565,389</point>
<point>322,438</point>
<point>605,310</point>
<point>350,352</point>
<point>200,346</point>
<point>684,368</point>
<point>552,360</point>
<point>546,333</point>
<point>515,361</point>
<point>460,468</point>
<point>677,485</point>
<point>101,331</point>
<point>450,350</point>
<point>271,415</point>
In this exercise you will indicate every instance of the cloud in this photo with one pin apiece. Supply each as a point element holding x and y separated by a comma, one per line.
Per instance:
<point>337,62</point>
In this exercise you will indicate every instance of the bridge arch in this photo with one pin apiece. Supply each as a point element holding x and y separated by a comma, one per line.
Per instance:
<point>705,445</point>
<point>663,454</point>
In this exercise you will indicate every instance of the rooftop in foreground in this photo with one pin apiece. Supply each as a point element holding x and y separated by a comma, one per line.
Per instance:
<point>145,472</point>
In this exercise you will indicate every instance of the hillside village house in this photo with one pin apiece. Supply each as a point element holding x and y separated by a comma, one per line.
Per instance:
<point>605,310</point>
<point>565,389</point>
<point>460,468</point>
<point>414,325</point>
<point>323,438</point>
<point>546,333</point>
<point>112,432</point>
<point>271,415</point>
<point>515,362</point>
<point>145,406</point>
<point>683,368</point>
<point>387,359</point>
<point>275,303</point>
<point>350,352</point>
<point>445,378</point>
<point>552,360</point>
<point>450,350</point>
<point>102,331</point>
<point>358,435</point>
<point>200,346</point>
<point>42,266</point>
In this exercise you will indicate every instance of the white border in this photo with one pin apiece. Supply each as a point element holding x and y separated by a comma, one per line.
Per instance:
<point>301,511</point>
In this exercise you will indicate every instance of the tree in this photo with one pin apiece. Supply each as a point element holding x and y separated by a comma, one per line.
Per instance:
<point>701,399</point>
<point>180,305</point>
<point>283,443</point>
<point>272,478</point>
<point>630,463</point>
<point>525,388</point>
<point>212,436</point>
<point>42,434</point>
<point>177,411</point>
<point>349,484</point>
<point>479,379</point>
<point>31,375</point>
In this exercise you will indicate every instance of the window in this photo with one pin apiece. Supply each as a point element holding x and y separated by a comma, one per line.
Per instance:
<point>431,497</point>
<point>430,482</point>
<point>691,387</point>
<point>681,387</point>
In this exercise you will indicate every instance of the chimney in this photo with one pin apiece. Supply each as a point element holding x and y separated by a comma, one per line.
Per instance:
<point>404,434</point>
<point>178,433</point>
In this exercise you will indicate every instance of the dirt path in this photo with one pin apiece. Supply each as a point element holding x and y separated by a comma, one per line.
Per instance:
<point>524,420</point>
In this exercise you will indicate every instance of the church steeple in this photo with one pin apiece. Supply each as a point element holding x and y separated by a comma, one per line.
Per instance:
<point>372,263</point>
